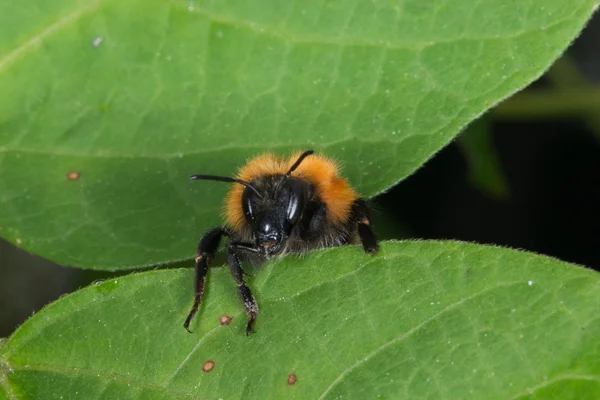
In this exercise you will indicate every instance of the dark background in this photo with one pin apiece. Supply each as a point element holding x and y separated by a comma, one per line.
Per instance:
<point>548,159</point>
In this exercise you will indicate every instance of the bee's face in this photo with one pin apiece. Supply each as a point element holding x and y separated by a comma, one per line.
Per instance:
<point>274,213</point>
<point>268,237</point>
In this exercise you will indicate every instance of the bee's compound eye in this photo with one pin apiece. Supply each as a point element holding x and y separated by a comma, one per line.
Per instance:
<point>249,211</point>
<point>293,209</point>
<point>295,202</point>
<point>247,205</point>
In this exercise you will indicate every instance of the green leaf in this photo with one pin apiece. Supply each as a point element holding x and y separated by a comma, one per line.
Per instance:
<point>485,170</point>
<point>135,96</point>
<point>418,320</point>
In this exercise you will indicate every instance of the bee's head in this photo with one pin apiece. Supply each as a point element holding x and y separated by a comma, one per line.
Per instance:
<point>272,205</point>
<point>273,210</point>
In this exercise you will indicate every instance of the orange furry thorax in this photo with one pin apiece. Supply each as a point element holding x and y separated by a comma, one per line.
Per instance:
<point>322,172</point>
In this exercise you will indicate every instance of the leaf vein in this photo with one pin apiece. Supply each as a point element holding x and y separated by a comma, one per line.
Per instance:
<point>37,39</point>
<point>408,333</point>
<point>532,389</point>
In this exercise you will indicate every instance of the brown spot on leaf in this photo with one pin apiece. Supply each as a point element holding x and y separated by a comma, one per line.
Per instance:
<point>225,319</point>
<point>292,379</point>
<point>208,366</point>
<point>73,175</point>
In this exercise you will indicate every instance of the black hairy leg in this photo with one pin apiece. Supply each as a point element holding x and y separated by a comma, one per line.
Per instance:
<point>207,248</point>
<point>365,232</point>
<point>244,291</point>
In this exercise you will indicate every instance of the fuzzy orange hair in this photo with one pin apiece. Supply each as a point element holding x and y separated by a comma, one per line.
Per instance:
<point>321,171</point>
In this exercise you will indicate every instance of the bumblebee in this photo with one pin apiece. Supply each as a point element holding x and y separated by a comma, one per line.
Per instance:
<point>281,206</point>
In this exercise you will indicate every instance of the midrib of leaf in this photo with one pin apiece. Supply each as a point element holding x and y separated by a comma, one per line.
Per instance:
<point>272,31</point>
<point>179,154</point>
<point>407,334</point>
<point>63,22</point>
<point>547,382</point>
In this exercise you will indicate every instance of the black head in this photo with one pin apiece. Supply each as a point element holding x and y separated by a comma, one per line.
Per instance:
<point>274,214</point>
<point>272,206</point>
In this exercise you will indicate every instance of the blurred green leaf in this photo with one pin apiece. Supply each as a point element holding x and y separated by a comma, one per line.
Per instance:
<point>565,75</point>
<point>485,171</point>
<point>418,320</point>
<point>134,96</point>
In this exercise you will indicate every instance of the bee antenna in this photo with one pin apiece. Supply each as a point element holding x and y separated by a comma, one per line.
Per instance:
<point>299,160</point>
<point>225,179</point>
